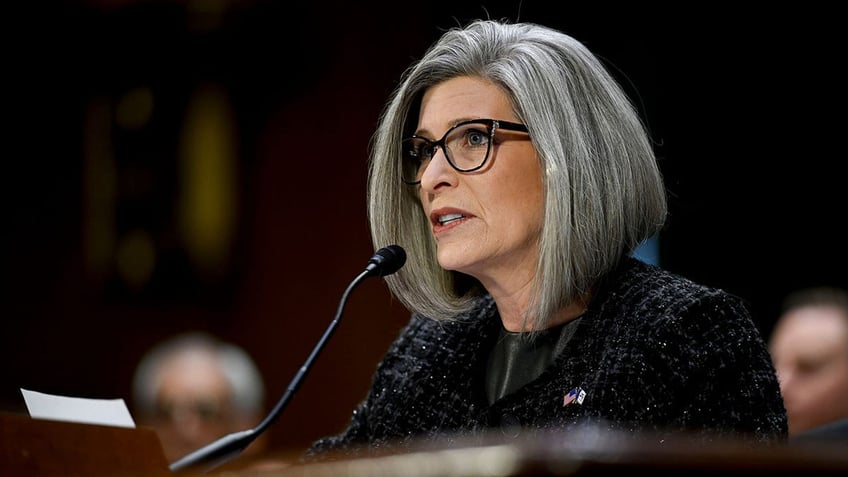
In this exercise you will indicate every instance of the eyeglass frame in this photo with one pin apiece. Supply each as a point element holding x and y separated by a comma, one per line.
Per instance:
<point>493,124</point>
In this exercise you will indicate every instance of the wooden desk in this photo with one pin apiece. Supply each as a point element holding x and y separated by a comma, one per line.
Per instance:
<point>595,455</point>
<point>45,448</point>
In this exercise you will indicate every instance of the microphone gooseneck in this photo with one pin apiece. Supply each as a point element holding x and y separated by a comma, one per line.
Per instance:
<point>386,261</point>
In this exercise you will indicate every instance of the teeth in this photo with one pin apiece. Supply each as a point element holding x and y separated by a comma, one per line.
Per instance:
<point>449,218</point>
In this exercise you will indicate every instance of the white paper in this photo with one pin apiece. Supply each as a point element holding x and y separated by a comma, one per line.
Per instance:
<point>109,412</point>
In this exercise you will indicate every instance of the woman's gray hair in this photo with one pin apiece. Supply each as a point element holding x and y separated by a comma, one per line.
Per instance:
<point>238,368</point>
<point>604,192</point>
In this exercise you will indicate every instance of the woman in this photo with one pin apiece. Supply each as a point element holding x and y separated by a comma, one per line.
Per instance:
<point>518,178</point>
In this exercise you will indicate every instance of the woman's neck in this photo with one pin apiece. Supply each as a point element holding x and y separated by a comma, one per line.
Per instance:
<point>513,307</point>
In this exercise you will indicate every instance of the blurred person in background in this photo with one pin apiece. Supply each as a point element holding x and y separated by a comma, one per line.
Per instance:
<point>809,347</point>
<point>193,389</point>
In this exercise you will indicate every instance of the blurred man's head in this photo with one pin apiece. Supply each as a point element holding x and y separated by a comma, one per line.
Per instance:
<point>809,347</point>
<point>194,389</point>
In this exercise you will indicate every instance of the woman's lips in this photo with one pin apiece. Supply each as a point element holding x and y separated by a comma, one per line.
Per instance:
<point>447,219</point>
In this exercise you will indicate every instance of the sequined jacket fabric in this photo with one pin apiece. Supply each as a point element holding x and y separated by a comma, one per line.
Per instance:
<point>653,353</point>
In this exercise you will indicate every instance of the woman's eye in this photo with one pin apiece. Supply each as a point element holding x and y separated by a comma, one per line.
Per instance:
<point>476,138</point>
<point>426,152</point>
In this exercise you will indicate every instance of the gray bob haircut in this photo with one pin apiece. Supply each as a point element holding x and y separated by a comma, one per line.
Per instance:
<point>604,192</point>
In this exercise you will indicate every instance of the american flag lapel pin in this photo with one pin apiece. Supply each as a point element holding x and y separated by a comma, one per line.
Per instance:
<point>576,394</point>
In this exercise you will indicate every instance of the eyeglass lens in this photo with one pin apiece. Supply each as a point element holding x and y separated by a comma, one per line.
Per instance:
<point>465,145</point>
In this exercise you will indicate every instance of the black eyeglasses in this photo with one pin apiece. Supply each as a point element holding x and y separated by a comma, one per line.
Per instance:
<point>466,145</point>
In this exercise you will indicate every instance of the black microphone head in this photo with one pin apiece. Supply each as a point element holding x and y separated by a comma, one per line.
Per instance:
<point>387,260</point>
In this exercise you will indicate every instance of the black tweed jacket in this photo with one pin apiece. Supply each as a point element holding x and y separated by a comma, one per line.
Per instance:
<point>654,353</point>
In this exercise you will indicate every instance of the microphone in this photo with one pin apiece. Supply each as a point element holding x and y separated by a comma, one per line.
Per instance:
<point>386,261</point>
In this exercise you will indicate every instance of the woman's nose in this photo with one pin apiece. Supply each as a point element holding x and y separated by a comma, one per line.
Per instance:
<point>438,171</point>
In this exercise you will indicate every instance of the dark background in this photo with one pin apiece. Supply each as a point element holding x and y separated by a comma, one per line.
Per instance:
<point>747,110</point>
